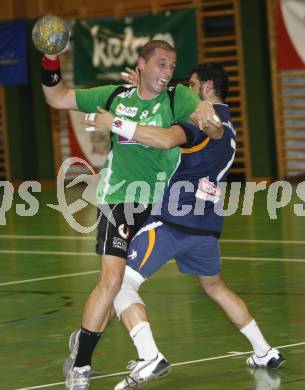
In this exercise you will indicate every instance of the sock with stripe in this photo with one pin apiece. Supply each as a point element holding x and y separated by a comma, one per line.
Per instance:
<point>143,340</point>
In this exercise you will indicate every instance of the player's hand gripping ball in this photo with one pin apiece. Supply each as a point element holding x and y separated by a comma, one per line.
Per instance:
<point>50,34</point>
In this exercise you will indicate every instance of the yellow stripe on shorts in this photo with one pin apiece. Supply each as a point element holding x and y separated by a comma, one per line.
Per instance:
<point>151,244</point>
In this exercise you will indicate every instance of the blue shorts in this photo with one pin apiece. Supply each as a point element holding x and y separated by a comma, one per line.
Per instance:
<point>156,243</point>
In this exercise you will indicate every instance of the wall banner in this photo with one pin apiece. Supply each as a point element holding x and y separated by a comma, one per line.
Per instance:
<point>13,53</point>
<point>103,48</point>
<point>291,34</point>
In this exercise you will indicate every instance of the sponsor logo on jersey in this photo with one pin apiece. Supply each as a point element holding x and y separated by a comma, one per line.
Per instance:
<point>208,190</point>
<point>127,111</point>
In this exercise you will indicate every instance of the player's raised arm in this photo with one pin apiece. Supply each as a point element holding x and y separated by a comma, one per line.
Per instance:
<point>56,92</point>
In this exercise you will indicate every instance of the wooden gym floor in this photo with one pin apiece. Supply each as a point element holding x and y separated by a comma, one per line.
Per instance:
<point>48,269</point>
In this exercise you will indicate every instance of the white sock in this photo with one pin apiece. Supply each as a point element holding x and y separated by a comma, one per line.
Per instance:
<point>143,340</point>
<point>254,335</point>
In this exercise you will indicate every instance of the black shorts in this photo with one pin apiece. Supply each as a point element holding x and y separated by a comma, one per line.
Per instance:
<point>117,226</point>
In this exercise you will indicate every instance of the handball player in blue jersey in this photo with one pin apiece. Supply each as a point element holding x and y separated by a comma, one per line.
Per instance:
<point>186,227</point>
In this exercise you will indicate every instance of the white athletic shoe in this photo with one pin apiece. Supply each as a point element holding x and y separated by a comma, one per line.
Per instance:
<point>144,371</point>
<point>272,359</point>
<point>79,378</point>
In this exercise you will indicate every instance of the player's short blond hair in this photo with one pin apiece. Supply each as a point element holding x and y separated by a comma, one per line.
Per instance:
<point>149,48</point>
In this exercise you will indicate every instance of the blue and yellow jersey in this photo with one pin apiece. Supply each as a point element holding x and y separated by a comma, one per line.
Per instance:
<point>192,201</point>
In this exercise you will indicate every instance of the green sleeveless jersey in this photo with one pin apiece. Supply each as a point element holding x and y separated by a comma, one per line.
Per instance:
<point>131,171</point>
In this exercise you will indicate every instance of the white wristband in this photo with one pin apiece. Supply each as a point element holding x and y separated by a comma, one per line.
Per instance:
<point>123,127</point>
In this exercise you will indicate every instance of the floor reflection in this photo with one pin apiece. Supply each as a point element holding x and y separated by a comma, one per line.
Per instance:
<point>265,379</point>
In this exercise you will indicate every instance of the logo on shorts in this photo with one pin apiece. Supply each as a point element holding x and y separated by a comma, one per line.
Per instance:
<point>133,255</point>
<point>124,231</point>
<point>119,243</point>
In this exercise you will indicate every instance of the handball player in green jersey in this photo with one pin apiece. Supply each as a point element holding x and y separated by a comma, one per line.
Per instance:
<point>151,103</point>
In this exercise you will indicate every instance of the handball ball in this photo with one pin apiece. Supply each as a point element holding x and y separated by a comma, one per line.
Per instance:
<point>50,34</point>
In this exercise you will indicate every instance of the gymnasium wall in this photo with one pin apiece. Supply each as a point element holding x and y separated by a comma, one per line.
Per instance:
<point>29,129</point>
<point>258,88</point>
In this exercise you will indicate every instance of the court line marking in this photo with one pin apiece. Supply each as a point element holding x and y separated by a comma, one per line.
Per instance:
<point>240,241</point>
<point>280,260</point>
<point>48,278</point>
<point>228,355</point>
<point>90,238</point>
<point>14,252</point>
<point>42,237</point>
<point>271,259</point>
<point>66,253</point>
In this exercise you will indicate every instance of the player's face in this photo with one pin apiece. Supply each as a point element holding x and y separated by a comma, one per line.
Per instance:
<point>156,72</point>
<point>196,85</point>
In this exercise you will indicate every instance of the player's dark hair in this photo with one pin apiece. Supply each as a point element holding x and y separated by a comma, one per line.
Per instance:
<point>149,48</point>
<point>215,72</point>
